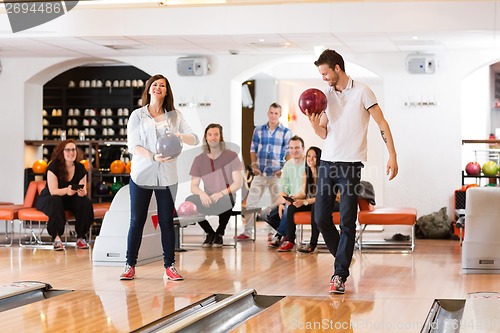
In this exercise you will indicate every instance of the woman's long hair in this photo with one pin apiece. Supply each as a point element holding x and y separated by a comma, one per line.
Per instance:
<point>168,101</point>
<point>310,181</point>
<point>61,171</point>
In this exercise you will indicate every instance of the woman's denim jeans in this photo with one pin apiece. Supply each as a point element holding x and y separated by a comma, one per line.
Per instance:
<point>140,198</point>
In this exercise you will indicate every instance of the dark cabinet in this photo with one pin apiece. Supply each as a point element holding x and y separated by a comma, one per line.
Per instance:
<point>91,103</point>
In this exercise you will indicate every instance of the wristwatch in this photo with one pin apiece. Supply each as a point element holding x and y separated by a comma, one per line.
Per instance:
<point>306,203</point>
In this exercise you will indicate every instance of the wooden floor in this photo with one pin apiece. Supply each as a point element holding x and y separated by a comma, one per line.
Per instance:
<point>386,292</point>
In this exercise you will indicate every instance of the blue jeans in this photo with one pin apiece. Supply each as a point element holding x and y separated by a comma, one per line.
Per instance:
<point>278,224</point>
<point>140,198</point>
<point>334,177</point>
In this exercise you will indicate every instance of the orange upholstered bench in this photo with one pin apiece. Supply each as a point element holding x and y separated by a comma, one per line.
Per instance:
<point>388,216</point>
<point>8,213</point>
<point>304,218</point>
<point>371,215</point>
<point>31,214</point>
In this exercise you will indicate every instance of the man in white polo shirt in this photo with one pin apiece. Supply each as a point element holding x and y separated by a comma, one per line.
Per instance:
<point>344,127</point>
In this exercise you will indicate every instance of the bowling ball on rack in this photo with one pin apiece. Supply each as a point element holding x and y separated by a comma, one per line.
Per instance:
<point>490,168</point>
<point>187,208</point>
<point>128,167</point>
<point>86,164</point>
<point>312,100</point>
<point>116,186</point>
<point>169,145</point>
<point>39,167</point>
<point>473,169</point>
<point>117,166</point>
<point>103,188</point>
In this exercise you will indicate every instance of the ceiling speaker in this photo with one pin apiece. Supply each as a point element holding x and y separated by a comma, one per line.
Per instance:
<point>192,66</point>
<point>421,64</point>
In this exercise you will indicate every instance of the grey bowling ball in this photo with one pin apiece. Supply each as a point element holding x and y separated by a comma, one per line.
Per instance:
<point>169,145</point>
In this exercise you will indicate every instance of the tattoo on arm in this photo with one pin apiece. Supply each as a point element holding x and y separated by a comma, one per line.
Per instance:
<point>383,136</point>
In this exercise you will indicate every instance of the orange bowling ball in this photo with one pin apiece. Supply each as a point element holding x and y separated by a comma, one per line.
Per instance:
<point>117,166</point>
<point>85,164</point>
<point>39,167</point>
<point>128,167</point>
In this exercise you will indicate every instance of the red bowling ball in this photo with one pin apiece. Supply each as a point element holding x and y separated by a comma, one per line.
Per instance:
<point>473,169</point>
<point>187,208</point>
<point>312,100</point>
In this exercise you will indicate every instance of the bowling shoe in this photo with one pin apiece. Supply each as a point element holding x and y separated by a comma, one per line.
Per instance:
<point>242,237</point>
<point>172,274</point>
<point>82,244</point>
<point>308,248</point>
<point>218,241</point>
<point>128,273</point>
<point>58,246</point>
<point>286,247</point>
<point>337,285</point>
<point>276,241</point>
<point>209,240</point>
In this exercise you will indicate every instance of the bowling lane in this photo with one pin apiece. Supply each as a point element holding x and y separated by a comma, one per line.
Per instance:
<point>340,314</point>
<point>95,311</point>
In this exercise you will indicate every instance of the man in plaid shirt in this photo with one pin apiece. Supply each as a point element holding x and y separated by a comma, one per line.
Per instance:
<point>268,153</point>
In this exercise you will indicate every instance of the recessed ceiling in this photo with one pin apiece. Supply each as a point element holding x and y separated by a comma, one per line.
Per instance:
<point>213,37</point>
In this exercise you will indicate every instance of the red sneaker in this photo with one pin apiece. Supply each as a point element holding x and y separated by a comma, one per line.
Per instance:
<point>82,244</point>
<point>242,237</point>
<point>286,247</point>
<point>172,274</point>
<point>337,285</point>
<point>128,273</point>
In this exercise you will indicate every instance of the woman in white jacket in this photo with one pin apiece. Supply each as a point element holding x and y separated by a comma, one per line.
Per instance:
<point>152,171</point>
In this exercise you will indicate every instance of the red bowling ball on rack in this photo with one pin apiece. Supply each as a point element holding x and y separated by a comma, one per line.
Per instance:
<point>473,169</point>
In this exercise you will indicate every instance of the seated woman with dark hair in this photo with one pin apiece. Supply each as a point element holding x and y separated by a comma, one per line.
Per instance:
<point>304,201</point>
<point>66,190</point>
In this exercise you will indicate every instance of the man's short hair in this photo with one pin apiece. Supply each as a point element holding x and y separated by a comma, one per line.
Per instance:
<point>298,138</point>
<point>275,106</point>
<point>330,58</point>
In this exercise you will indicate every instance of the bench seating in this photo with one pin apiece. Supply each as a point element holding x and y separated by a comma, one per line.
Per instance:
<point>388,216</point>
<point>183,222</point>
<point>371,215</point>
<point>30,214</point>
<point>304,218</point>
<point>8,213</point>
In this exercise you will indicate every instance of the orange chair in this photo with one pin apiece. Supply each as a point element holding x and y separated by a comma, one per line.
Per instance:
<point>9,213</point>
<point>32,214</point>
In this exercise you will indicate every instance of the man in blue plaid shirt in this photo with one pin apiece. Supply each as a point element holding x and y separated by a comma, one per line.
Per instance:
<point>268,153</point>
